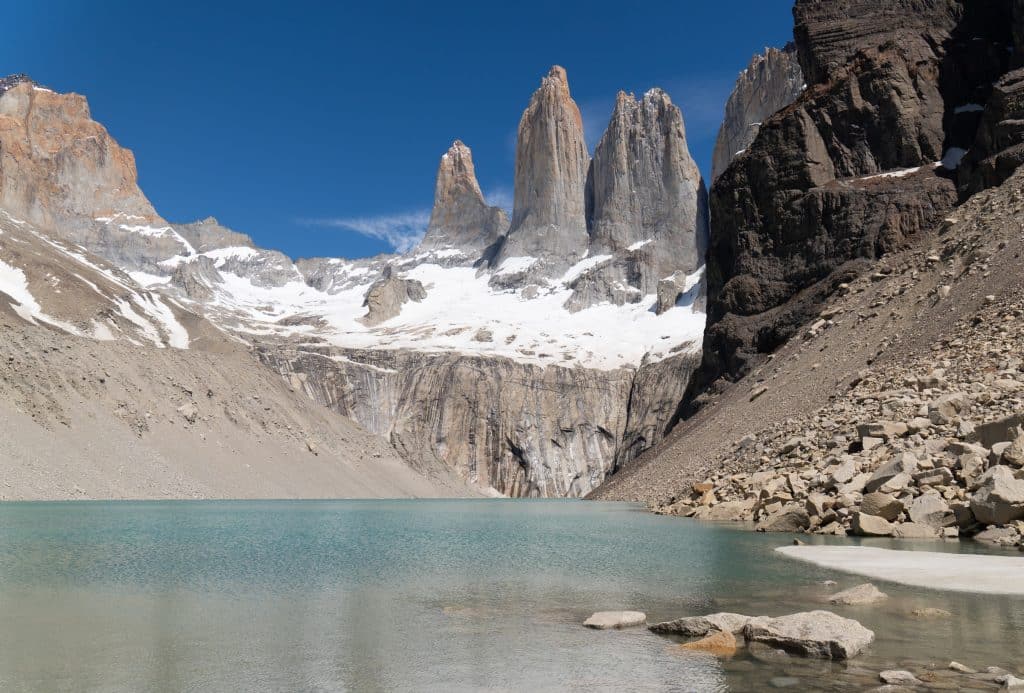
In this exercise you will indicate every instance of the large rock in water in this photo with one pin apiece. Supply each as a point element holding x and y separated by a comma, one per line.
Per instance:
<point>461,218</point>
<point>772,81</point>
<point>820,634</point>
<point>549,213</point>
<point>720,644</point>
<point>605,620</point>
<point>796,211</point>
<point>702,625</point>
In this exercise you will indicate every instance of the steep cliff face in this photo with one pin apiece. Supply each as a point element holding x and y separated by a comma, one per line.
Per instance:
<point>549,215</point>
<point>772,81</point>
<point>59,169</point>
<point>850,170</point>
<point>997,149</point>
<point>461,218</point>
<point>646,202</point>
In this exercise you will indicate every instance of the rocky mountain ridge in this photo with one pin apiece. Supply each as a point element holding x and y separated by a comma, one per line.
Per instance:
<point>453,355</point>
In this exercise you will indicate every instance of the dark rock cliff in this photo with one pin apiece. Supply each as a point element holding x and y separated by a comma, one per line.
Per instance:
<point>889,88</point>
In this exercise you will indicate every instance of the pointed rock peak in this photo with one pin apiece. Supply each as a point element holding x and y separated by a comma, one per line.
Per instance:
<point>657,95</point>
<point>458,150</point>
<point>461,218</point>
<point>548,219</point>
<point>456,172</point>
<point>645,192</point>
<point>557,76</point>
<point>771,81</point>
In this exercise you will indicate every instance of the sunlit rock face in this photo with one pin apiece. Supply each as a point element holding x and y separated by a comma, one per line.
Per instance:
<point>772,81</point>
<point>461,219</point>
<point>549,215</point>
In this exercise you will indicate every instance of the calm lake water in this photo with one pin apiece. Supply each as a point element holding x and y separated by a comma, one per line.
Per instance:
<point>422,596</point>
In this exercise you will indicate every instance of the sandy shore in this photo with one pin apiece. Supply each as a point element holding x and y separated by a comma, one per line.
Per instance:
<point>957,572</point>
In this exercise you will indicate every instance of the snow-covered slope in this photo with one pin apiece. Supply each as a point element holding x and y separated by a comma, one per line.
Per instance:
<point>461,313</point>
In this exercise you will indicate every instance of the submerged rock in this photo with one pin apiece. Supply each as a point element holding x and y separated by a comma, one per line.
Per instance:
<point>720,644</point>
<point>606,620</point>
<point>861,594</point>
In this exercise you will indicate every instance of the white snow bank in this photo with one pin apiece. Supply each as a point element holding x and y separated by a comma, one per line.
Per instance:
<point>584,265</point>
<point>955,572</point>
<point>900,173</point>
<point>14,284</point>
<point>515,265</point>
<point>462,313</point>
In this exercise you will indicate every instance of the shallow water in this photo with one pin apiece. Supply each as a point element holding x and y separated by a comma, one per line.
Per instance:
<point>425,596</point>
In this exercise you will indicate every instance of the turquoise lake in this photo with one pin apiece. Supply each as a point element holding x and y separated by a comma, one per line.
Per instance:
<point>424,596</point>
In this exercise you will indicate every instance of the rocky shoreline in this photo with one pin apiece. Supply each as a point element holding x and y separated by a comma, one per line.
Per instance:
<point>917,448</point>
<point>794,641</point>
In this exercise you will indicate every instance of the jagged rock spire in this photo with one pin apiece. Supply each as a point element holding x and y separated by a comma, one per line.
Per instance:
<point>644,186</point>
<point>772,81</point>
<point>461,217</point>
<point>548,218</point>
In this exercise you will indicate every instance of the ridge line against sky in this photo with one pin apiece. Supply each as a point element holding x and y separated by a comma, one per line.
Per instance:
<point>317,130</point>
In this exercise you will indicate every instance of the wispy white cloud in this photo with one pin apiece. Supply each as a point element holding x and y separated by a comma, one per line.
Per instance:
<point>402,232</point>
<point>500,197</point>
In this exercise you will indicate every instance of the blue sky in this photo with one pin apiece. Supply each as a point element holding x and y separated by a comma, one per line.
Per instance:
<point>301,123</point>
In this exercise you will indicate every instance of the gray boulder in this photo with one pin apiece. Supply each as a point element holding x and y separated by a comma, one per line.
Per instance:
<point>791,518</point>
<point>820,634</point>
<point>695,626</point>
<point>932,511</point>
<point>882,505</point>
<point>902,466</point>
<point>999,498</point>
<point>865,525</point>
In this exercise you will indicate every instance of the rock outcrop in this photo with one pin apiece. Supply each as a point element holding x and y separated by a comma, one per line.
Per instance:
<point>918,428</point>
<point>772,81</point>
<point>461,218</point>
<point>549,211</point>
<point>61,170</point>
<point>522,429</point>
<point>646,202</point>
<point>819,634</point>
<point>385,298</point>
<point>810,194</point>
<point>209,234</point>
<point>998,149</point>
